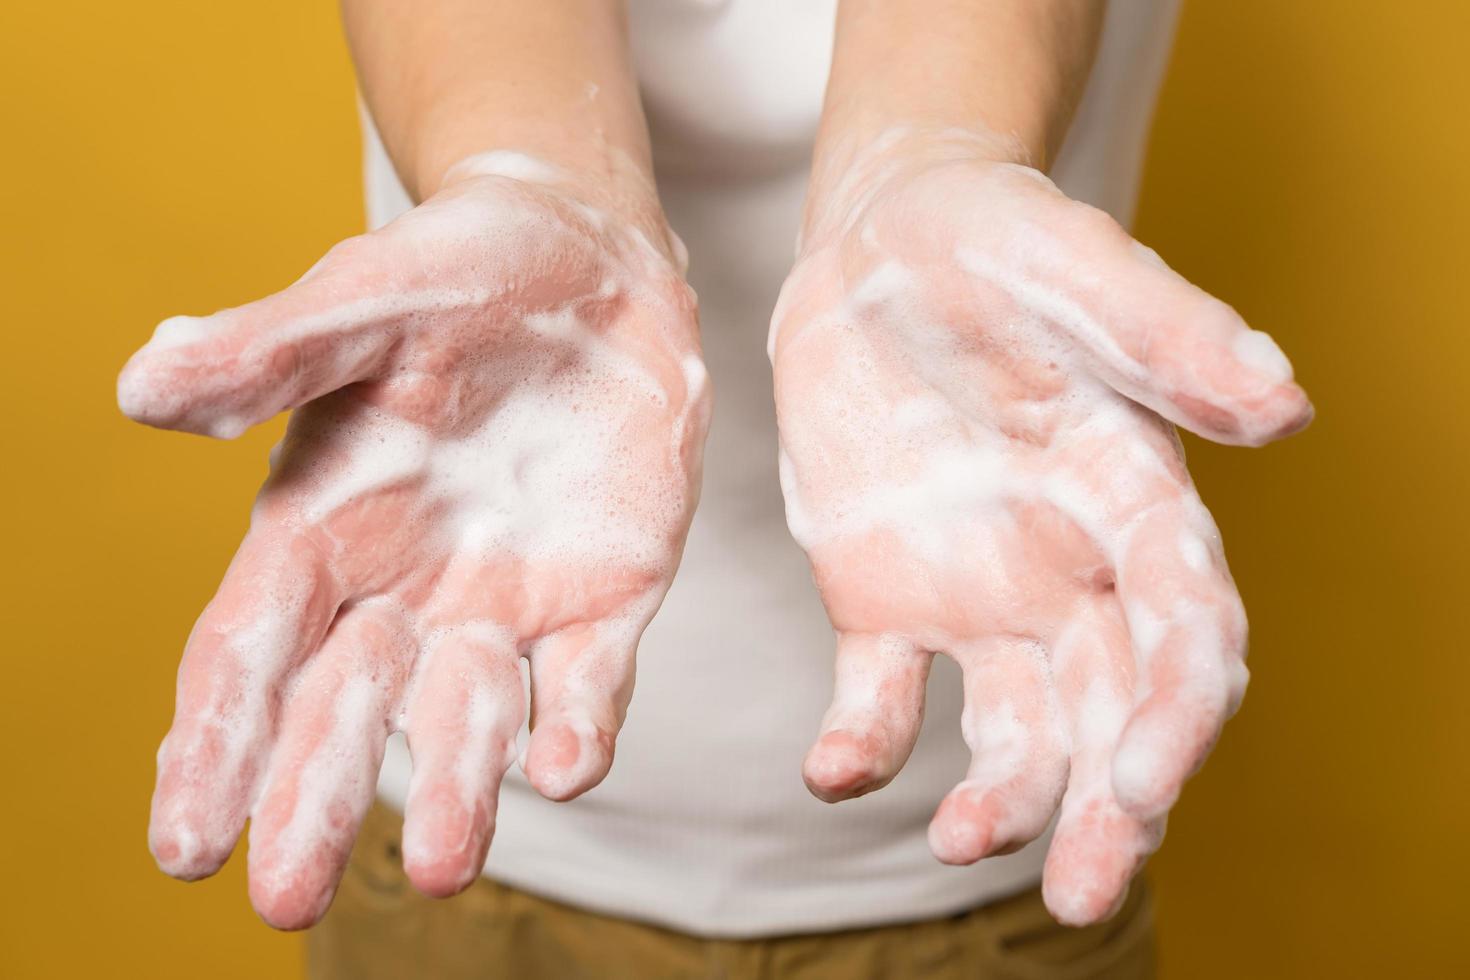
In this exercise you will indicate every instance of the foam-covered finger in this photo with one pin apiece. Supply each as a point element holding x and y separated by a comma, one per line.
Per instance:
<point>1188,633</point>
<point>1154,336</point>
<point>272,610</point>
<point>324,769</point>
<point>581,683</point>
<point>218,375</point>
<point>877,709</point>
<point>1172,731</point>
<point>466,708</point>
<point>1018,748</point>
<point>1190,357</point>
<point>1097,846</point>
<point>1096,851</point>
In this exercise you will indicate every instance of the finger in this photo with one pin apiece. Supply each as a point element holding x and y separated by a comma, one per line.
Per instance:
<point>218,375</point>
<point>1097,847</point>
<point>581,683</point>
<point>462,721</point>
<point>1188,632</point>
<point>1018,765</point>
<point>272,609</point>
<point>877,709</point>
<point>324,768</point>
<point>1152,335</point>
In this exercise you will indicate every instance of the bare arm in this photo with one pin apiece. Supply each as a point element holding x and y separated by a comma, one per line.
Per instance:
<point>1011,69</point>
<point>1015,67</point>
<point>445,79</point>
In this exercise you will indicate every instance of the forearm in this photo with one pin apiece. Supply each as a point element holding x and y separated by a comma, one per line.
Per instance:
<point>1011,69</point>
<point>445,79</point>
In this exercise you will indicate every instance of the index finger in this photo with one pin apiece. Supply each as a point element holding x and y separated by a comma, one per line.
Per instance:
<point>272,609</point>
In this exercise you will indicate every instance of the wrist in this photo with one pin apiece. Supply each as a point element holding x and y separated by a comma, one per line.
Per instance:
<point>858,162</point>
<point>1007,71</point>
<point>613,184</point>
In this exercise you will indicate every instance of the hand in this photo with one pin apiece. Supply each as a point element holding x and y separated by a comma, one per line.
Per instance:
<point>970,371</point>
<point>496,455</point>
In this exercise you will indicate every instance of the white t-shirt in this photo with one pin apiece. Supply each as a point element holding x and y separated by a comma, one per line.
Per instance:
<point>704,824</point>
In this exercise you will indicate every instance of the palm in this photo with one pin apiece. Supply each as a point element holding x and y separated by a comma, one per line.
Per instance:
<point>968,469</point>
<point>499,458</point>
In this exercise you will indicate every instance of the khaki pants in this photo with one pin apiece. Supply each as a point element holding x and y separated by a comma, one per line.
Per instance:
<point>380,927</point>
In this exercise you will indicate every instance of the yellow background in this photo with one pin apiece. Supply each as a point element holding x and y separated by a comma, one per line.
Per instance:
<point>1309,164</point>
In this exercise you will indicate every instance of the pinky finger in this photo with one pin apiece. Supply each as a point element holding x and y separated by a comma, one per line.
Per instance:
<point>877,708</point>
<point>581,683</point>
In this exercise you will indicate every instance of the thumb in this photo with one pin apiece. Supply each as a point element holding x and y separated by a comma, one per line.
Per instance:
<point>220,374</point>
<point>1167,344</point>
